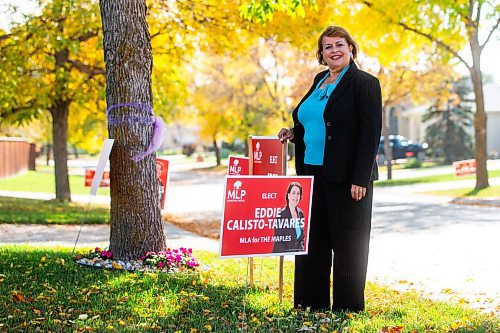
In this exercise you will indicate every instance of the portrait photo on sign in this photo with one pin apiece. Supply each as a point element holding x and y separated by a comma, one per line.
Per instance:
<point>162,176</point>
<point>289,225</point>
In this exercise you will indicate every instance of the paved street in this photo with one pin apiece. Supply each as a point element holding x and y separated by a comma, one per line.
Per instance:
<point>419,242</point>
<point>446,250</point>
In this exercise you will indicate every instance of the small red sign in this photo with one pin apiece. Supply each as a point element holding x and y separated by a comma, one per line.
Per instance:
<point>162,174</point>
<point>237,165</point>
<point>465,167</point>
<point>89,177</point>
<point>265,216</point>
<point>267,156</point>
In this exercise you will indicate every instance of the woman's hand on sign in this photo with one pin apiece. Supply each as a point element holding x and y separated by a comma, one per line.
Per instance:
<point>285,134</point>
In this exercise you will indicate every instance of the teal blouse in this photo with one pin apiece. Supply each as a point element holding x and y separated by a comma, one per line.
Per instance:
<point>310,115</point>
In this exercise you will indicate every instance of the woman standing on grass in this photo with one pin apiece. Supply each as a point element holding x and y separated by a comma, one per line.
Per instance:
<point>336,131</point>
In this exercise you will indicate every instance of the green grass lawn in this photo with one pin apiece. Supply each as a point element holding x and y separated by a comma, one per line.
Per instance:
<point>44,181</point>
<point>34,181</point>
<point>30,211</point>
<point>431,179</point>
<point>43,290</point>
<point>492,191</point>
<point>383,168</point>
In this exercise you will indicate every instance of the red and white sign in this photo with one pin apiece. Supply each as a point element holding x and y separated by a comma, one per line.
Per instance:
<point>237,165</point>
<point>465,167</point>
<point>89,177</point>
<point>267,156</point>
<point>162,174</point>
<point>265,215</point>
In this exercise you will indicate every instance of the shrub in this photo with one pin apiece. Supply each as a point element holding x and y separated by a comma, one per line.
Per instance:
<point>412,163</point>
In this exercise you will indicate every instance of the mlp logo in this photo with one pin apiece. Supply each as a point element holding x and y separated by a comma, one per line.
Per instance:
<point>237,193</point>
<point>235,169</point>
<point>257,154</point>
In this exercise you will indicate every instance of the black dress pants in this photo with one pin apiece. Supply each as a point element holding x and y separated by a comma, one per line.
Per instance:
<point>340,226</point>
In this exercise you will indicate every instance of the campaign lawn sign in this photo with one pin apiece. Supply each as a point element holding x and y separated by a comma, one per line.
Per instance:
<point>253,219</point>
<point>267,156</point>
<point>238,165</point>
<point>89,176</point>
<point>162,172</point>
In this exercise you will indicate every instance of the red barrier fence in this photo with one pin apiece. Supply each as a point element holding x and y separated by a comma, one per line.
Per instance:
<point>16,155</point>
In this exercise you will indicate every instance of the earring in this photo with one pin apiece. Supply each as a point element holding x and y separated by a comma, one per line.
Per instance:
<point>351,55</point>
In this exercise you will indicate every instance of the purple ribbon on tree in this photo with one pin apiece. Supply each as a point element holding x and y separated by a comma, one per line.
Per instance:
<point>159,127</point>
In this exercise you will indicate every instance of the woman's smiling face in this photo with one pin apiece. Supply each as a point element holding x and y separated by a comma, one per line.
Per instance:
<point>294,196</point>
<point>336,52</point>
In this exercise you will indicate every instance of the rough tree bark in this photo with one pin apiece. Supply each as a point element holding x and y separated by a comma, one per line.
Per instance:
<point>136,222</point>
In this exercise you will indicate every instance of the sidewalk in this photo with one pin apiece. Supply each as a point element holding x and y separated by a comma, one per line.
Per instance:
<point>438,170</point>
<point>418,189</point>
<point>91,236</point>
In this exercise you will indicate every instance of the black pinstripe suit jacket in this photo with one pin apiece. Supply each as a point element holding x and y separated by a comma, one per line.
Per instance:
<point>353,120</point>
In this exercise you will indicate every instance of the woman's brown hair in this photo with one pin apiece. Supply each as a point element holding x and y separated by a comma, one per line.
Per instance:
<point>335,31</point>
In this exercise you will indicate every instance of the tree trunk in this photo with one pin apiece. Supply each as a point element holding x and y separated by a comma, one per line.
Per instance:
<point>387,146</point>
<point>480,116</point>
<point>59,114</point>
<point>49,153</point>
<point>216,151</point>
<point>247,147</point>
<point>136,222</point>
<point>448,158</point>
<point>75,151</point>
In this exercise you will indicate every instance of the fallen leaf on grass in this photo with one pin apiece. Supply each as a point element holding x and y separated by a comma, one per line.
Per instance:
<point>455,326</point>
<point>392,329</point>
<point>17,297</point>
<point>447,291</point>
<point>83,317</point>
<point>116,265</point>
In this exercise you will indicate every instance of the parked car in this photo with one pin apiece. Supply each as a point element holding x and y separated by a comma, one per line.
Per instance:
<point>401,148</point>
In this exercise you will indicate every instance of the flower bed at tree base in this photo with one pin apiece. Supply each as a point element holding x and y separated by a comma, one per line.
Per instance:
<point>169,261</point>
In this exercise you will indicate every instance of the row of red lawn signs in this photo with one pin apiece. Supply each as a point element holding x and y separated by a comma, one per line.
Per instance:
<point>162,172</point>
